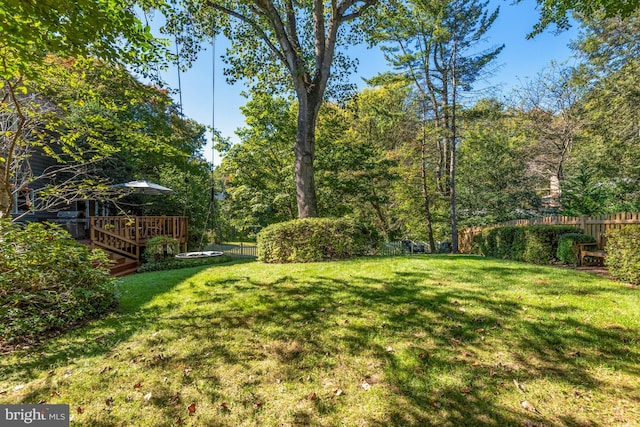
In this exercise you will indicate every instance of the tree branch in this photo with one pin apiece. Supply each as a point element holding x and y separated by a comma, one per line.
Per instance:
<point>252,24</point>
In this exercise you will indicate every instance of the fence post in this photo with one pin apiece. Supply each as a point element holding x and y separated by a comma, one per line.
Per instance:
<point>583,223</point>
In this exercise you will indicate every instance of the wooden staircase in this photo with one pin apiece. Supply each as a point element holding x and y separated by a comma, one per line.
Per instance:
<point>124,238</point>
<point>122,265</point>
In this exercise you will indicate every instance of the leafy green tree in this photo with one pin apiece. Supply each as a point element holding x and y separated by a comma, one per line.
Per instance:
<point>29,31</point>
<point>280,44</point>
<point>258,171</point>
<point>494,180</point>
<point>610,143</point>
<point>356,165</point>
<point>557,11</point>
<point>433,44</point>
<point>104,127</point>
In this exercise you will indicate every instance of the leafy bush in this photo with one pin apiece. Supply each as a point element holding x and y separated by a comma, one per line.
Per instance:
<point>160,248</point>
<point>536,244</point>
<point>623,259</point>
<point>315,239</point>
<point>174,263</point>
<point>48,281</point>
<point>567,252</point>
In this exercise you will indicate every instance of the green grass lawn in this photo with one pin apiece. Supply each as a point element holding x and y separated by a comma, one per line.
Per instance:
<point>406,341</point>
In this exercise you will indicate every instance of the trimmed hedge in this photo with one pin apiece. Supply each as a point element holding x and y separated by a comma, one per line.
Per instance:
<point>536,244</point>
<point>623,249</point>
<point>315,239</point>
<point>175,263</point>
<point>568,247</point>
<point>48,281</point>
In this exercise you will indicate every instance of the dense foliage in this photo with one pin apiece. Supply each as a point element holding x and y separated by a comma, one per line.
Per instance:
<point>175,263</point>
<point>160,248</point>
<point>315,239</point>
<point>48,281</point>
<point>623,259</point>
<point>536,244</point>
<point>568,250</point>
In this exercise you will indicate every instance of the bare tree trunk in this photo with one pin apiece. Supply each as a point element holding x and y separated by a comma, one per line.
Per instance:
<point>452,157</point>
<point>6,201</point>
<point>304,150</point>
<point>425,189</point>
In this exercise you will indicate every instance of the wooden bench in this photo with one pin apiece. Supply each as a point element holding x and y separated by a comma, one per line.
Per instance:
<point>594,252</point>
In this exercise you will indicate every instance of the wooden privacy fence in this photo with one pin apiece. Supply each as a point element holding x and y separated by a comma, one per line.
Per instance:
<point>595,226</point>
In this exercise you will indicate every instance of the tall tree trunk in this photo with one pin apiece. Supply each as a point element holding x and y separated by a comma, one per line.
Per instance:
<point>5,195</point>
<point>304,150</point>
<point>425,188</point>
<point>452,157</point>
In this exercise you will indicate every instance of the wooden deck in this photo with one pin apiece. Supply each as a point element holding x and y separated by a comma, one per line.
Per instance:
<point>126,236</point>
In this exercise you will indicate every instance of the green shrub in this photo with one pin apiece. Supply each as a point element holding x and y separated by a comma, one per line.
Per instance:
<point>48,281</point>
<point>315,239</point>
<point>174,263</point>
<point>623,259</point>
<point>536,244</point>
<point>568,249</point>
<point>160,248</point>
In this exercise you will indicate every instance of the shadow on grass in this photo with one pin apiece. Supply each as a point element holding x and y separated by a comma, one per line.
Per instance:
<point>448,327</point>
<point>457,347</point>
<point>100,336</point>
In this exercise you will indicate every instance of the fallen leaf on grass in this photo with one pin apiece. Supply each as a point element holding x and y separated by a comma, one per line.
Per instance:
<point>42,402</point>
<point>465,390</point>
<point>175,398</point>
<point>148,396</point>
<point>312,396</point>
<point>137,385</point>
<point>337,392</point>
<point>365,386</point>
<point>223,406</point>
<point>109,401</point>
<point>519,386</point>
<point>55,394</point>
<point>258,405</point>
<point>79,410</point>
<point>192,409</point>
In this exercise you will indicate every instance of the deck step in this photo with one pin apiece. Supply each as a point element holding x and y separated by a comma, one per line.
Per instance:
<point>124,267</point>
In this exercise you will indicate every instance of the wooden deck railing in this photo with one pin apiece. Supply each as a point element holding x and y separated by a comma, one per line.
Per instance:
<point>127,235</point>
<point>595,226</point>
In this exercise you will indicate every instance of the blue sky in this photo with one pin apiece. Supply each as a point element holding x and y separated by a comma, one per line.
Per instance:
<point>521,58</point>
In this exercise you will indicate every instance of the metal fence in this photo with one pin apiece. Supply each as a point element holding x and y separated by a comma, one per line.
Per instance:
<point>240,250</point>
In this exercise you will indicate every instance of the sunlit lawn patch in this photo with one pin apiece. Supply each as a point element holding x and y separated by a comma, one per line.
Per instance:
<point>422,340</point>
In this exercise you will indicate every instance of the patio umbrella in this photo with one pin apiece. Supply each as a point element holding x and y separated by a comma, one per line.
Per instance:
<point>144,187</point>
